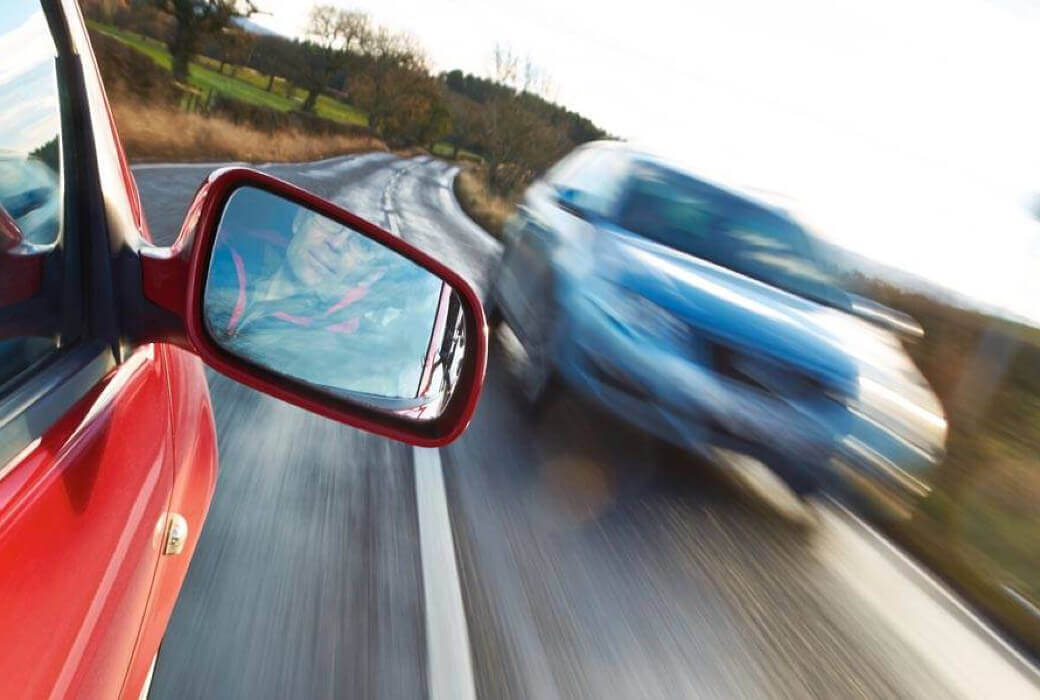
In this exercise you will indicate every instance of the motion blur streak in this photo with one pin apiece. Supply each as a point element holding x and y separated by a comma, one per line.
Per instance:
<point>595,562</point>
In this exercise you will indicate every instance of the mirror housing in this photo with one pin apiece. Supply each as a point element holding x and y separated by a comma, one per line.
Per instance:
<point>173,279</point>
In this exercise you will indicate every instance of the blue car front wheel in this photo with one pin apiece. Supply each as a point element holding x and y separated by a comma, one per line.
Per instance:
<point>539,383</point>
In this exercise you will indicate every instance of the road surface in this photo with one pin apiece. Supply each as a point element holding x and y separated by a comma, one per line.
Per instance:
<point>591,562</point>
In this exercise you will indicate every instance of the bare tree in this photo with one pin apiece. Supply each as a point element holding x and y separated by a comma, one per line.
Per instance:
<point>516,141</point>
<point>506,66</point>
<point>393,84</point>
<point>521,74</point>
<point>234,46</point>
<point>196,18</point>
<point>335,36</point>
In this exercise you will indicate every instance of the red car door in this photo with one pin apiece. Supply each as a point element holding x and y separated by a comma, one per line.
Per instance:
<point>86,467</point>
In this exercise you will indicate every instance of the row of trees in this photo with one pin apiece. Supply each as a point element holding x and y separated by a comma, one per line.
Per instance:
<point>382,72</point>
<point>505,118</point>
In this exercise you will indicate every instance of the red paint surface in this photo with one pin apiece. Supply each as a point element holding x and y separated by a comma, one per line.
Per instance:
<point>85,594</point>
<point>10,233</point>
<point>21,277</point>
<point>20,274</point>
<point>79,512</point>
<point>195,477</point>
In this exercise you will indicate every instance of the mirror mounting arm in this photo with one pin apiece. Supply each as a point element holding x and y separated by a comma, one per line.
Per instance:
<point>165,271</point>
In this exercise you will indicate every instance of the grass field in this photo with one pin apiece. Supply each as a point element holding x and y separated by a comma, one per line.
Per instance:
<point>153,133</point>
<point>246,85</point>
<point>445,150</point>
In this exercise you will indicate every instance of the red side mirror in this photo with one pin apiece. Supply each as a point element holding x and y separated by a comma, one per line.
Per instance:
<point>292,295</point>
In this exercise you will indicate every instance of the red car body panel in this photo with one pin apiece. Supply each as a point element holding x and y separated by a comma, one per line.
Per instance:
<point>86,592</point>
<point>81,522</point>
<point>195,478</point>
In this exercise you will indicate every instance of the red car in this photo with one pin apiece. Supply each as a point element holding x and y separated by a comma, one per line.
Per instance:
<point>107,449</point>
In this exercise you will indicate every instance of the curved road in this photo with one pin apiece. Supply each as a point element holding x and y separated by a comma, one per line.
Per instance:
<point>592,563</point>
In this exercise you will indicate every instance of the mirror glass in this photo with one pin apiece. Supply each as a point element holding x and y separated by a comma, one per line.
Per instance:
<point>312,300</point>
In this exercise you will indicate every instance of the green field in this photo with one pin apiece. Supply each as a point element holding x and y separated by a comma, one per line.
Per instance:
<point>246,85</point>
<point>445,150</point>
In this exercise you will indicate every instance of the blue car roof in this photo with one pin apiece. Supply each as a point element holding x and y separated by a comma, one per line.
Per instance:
<point>764,201</point>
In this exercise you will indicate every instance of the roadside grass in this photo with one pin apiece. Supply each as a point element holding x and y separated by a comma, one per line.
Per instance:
<point>335,110</point>
<point>489,210</point>
<point>446,150</point>
<point>980,526</point>
<point>246,85</point>
<point>150,47</point>
<point>151,132</point>
<point>280,86</point>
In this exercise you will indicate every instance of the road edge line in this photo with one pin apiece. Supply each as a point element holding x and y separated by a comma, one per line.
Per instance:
<point>942,594</point>
<point>449,663</point>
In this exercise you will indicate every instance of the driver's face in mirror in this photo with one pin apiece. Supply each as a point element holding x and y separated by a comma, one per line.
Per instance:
<point>322,252</point>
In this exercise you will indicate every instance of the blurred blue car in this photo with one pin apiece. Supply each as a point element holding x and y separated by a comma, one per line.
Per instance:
<point>703,317</point>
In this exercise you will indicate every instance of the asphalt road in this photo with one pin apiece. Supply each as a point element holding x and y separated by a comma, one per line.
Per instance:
<point>592,562</point>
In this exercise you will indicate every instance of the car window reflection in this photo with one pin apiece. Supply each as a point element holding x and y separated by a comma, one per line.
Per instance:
<point>30,122</point>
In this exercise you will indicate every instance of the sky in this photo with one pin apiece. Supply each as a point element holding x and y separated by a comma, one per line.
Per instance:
<point>29,115</point>
<point>906,130</point>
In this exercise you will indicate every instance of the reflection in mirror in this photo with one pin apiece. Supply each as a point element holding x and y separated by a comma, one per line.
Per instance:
<point>312,300</point>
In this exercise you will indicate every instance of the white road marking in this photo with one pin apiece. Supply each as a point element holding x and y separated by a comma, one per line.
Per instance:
<point>449,665</point>
<point>958,646</point>
<point>147,687</point>
<point>1022,601</point>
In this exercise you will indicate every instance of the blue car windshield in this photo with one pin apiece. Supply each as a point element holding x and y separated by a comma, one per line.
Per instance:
<point>721,228</point>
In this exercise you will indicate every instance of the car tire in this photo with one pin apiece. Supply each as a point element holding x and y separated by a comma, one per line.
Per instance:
<point>539,387</point>
<point>492,313</point>
<point>539,383</point>
<point>802,481</point>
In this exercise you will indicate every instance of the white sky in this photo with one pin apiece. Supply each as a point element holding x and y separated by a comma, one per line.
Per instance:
<point>28,91</point>
<point>908,130</point>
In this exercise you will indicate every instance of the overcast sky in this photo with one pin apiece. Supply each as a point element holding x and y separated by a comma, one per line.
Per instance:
<point>907,130</point>
<point>28,91</point>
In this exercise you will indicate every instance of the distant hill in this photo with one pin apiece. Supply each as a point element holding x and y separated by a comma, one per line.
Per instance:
<point>253,28</point>
<point>579,128</point>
